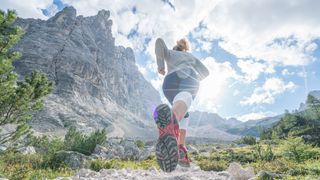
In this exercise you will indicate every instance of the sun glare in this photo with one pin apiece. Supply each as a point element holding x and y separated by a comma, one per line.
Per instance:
<point>213,87</point>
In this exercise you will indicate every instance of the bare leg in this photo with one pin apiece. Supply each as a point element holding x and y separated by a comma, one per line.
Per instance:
<point>179,109</point>
<point>182,137</point>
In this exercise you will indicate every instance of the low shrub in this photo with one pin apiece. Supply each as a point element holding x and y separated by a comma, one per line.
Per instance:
<point>263,154</point>
<point>85,144</point>
<point>140,144</point>
<point>212,165</point>
<point>249,140</point>
<point>295,149</point>
<point>99,164</point>
<point>15,165</point>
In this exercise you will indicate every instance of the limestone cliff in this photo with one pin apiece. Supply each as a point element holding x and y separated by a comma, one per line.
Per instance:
<point>97,84</point>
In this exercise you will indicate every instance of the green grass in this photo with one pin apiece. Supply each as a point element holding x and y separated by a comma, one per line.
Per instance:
<point>14,165</point>
<point>291,158</point>
<point>286,160</point>
<point>96,165</point>
<point>18,166</point>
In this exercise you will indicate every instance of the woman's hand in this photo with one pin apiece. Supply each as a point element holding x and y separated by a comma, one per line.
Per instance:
<point>162,71</point>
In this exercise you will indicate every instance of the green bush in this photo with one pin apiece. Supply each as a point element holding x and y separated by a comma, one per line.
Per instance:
<point>263,154</point>
<point>73,141</point>
<point>140,144</point>
<point>212,165</point>
<point>76,141</point>
<point>295,149</point>
<point>15,165</point>
<point>99,164</point>
<point>250,140</point>
<point>49,146</point>
<point>242,157</point>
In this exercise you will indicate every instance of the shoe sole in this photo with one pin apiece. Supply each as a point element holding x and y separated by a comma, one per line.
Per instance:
<point>167,147</point>
<point>182,164</point>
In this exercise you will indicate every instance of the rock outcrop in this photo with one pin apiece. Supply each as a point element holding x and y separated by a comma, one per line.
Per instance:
<point>97,84</point>
<point>123,149</point>
<point>239,173</point>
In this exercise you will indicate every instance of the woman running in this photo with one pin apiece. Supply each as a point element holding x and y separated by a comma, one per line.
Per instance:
<point>180,87</point>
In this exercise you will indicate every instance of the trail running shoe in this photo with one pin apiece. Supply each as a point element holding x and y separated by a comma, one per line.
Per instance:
<point>184,160</point>
<point>167,147</point>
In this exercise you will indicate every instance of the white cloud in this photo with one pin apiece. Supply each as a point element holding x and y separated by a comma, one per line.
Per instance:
<point>253,69</point>
<point>279,32</point>
<point>213,87</point>
<point>142,69</point>
<point>29,9</point>
<point>255,115</point>
<point>311,47</point>
<point>267,93</point>
<point>236,92</point>
<point>157,83</point>
<point>206,46</point>
<point>302,74</point>
<point>285,72</point>
<point>52,10</point>
<point>152,20</point>
<point>203,45</point>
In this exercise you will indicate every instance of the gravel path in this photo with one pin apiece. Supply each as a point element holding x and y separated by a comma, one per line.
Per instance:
<point>192,173</point>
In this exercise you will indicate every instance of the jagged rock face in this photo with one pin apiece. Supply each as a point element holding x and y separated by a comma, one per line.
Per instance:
<point>97,84</point>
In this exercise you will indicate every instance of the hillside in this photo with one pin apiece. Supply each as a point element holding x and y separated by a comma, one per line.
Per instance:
<point>254,127</point>
<point>305,124</point>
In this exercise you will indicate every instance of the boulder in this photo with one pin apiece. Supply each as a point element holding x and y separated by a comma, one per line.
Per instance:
<point>27,150</point>
<point>3,147</point>
<point>72,159</point>
<point>146,153</point>
<point>131,151</point>
<point>100,150</point>
<point>266,175</point>
<point>239,173</point>
<point>85,173</point>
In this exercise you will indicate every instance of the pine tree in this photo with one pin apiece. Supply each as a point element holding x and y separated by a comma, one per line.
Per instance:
<point>313,104</point>
<point>18,100</point>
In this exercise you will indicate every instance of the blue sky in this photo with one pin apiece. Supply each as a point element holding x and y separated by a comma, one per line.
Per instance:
<point>263,56</point>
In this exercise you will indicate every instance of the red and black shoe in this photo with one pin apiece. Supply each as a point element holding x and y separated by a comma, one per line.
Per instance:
<point>184,160</point>
<point>167,152</point>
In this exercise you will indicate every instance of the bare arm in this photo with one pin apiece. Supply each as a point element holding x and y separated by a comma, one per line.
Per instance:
<point>162,53</point>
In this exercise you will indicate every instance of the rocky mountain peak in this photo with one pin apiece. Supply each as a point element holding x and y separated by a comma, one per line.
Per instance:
<point>104,14</point>
<point>64,18</point>
<point>97,84</point>
<point>69,11</point>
